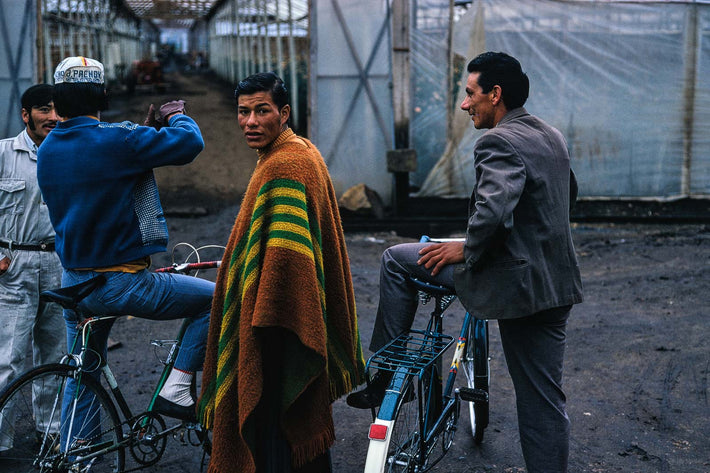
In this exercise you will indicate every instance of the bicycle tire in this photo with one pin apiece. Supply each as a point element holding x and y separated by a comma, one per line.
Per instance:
<point>405,453</point>
<point>477,371</point>
<point>34,451</point>
<point>403,448</point>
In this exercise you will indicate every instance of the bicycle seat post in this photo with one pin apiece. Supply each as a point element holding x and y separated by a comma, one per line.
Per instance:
<point>443,297</point>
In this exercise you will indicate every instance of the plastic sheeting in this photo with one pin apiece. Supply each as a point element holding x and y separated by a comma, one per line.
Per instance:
<point>627,83</point>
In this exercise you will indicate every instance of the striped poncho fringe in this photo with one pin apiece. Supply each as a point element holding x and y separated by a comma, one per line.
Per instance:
<point>285,266</point>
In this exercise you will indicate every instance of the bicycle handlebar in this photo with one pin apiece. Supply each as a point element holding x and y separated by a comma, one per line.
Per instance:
<point>186,267</point>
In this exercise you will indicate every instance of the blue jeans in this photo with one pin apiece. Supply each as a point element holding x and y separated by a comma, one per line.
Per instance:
<point>155,296</point>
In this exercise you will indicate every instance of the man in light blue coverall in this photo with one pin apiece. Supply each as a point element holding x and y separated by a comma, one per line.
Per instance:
<point>28,263</point>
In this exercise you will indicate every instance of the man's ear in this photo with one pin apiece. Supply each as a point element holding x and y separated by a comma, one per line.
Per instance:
<point>497,95</point>
<point>25,116</point>
<point>285,114</point>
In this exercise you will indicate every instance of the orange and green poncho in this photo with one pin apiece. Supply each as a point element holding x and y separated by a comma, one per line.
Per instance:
<point>285,266</point>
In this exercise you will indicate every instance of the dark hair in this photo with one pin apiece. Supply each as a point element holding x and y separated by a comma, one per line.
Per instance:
<point>263,82</point>
<point>505,71</point>
<point>76,99</point>
<point>36,96</point>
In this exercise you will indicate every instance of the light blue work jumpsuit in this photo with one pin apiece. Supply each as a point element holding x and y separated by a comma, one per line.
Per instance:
<point>31,332</point>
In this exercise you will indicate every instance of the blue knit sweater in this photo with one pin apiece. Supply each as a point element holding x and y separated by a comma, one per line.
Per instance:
<point>97,180</point>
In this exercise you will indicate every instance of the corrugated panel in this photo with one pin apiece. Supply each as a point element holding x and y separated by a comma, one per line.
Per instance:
<point>351,100</point>
<point>17,32</point>
<point>101,29</point>
<point>699,169</point>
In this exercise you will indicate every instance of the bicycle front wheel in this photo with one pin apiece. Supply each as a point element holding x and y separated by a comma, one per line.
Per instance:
<point>477,371</point>
<point>34,436</point>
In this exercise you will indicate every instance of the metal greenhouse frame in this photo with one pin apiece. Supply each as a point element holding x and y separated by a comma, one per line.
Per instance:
<point>248,36</point>
<point>37,34</point>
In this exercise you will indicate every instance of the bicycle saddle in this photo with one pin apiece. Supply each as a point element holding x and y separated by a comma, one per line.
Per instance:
<point>433,289</point>
<point>68,297</point>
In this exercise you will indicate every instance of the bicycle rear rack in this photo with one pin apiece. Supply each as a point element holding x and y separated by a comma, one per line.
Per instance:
<point>415,351</point>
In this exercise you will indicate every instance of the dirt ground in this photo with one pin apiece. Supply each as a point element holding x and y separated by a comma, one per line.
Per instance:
<point>637,363</point>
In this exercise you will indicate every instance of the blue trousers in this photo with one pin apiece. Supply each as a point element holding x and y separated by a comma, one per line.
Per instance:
<point>533,345</point>
<point>155,296</point>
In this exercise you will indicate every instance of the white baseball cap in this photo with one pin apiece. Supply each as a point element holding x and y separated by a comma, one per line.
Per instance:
<point>79,69</point>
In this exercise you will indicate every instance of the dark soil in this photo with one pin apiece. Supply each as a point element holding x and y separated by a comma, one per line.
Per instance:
<point>636,374</point>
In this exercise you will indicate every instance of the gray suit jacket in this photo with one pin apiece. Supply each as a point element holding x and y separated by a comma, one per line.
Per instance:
<point>519,255</point>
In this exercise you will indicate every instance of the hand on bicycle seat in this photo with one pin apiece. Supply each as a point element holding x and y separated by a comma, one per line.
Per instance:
<point>438,255</point>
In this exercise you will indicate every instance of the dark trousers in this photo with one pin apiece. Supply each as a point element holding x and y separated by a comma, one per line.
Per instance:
<point>273,454</point>
<point>534,348</point>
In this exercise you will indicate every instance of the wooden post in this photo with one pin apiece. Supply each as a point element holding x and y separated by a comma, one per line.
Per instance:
<point>449,86</point>
<point>401,98</point>
<point>39,41</point>
<point>690,77</point>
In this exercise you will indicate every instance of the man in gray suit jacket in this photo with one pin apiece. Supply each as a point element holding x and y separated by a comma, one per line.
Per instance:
<point>517,263</point>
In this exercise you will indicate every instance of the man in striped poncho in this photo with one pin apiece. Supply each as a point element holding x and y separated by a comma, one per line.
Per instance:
<point>283,341</point>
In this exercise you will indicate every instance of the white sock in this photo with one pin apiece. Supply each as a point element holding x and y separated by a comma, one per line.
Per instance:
<point>177,387</point>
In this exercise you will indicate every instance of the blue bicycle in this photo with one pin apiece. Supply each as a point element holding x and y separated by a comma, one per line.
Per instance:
<point>415,424</point>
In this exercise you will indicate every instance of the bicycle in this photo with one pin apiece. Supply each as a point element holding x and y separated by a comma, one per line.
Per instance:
<point>404,433</point>
<point>105,436</point>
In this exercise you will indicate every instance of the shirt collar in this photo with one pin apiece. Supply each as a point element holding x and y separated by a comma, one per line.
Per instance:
<point>28,141</point>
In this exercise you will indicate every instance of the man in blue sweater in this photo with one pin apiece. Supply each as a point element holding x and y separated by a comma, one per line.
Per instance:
<point>97,180</point>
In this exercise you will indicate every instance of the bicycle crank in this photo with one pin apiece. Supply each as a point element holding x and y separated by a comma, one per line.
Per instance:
<point>148,439</point>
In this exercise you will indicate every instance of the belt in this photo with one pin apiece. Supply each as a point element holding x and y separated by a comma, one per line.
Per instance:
<point>44,246</point>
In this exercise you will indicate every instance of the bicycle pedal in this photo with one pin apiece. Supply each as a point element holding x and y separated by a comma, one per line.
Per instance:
<point>473,395</point>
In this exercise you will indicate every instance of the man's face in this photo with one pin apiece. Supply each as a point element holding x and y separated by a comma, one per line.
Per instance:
<point>260,119</point>
<point>478,104</point>
<point>39,121</point>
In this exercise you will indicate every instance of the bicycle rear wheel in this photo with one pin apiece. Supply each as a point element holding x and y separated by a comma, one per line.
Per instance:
<point>31,425</point>
<point>404,445</point>
<point>476,368</point>
<point>408,451</point>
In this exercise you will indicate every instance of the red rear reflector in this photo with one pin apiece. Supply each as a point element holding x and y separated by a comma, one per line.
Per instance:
<point>378,432</point>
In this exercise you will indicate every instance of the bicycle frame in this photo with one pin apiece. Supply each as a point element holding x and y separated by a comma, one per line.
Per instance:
<point>108,375</point>
<point>419,354</point>
<point>143,434</point>
<point>412,355</point>
<point>433,421</point>
<point>169,360</point>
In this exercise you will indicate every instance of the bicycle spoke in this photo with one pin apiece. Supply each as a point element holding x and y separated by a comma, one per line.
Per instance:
<point>31,425</point>
<point>403,452</point>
